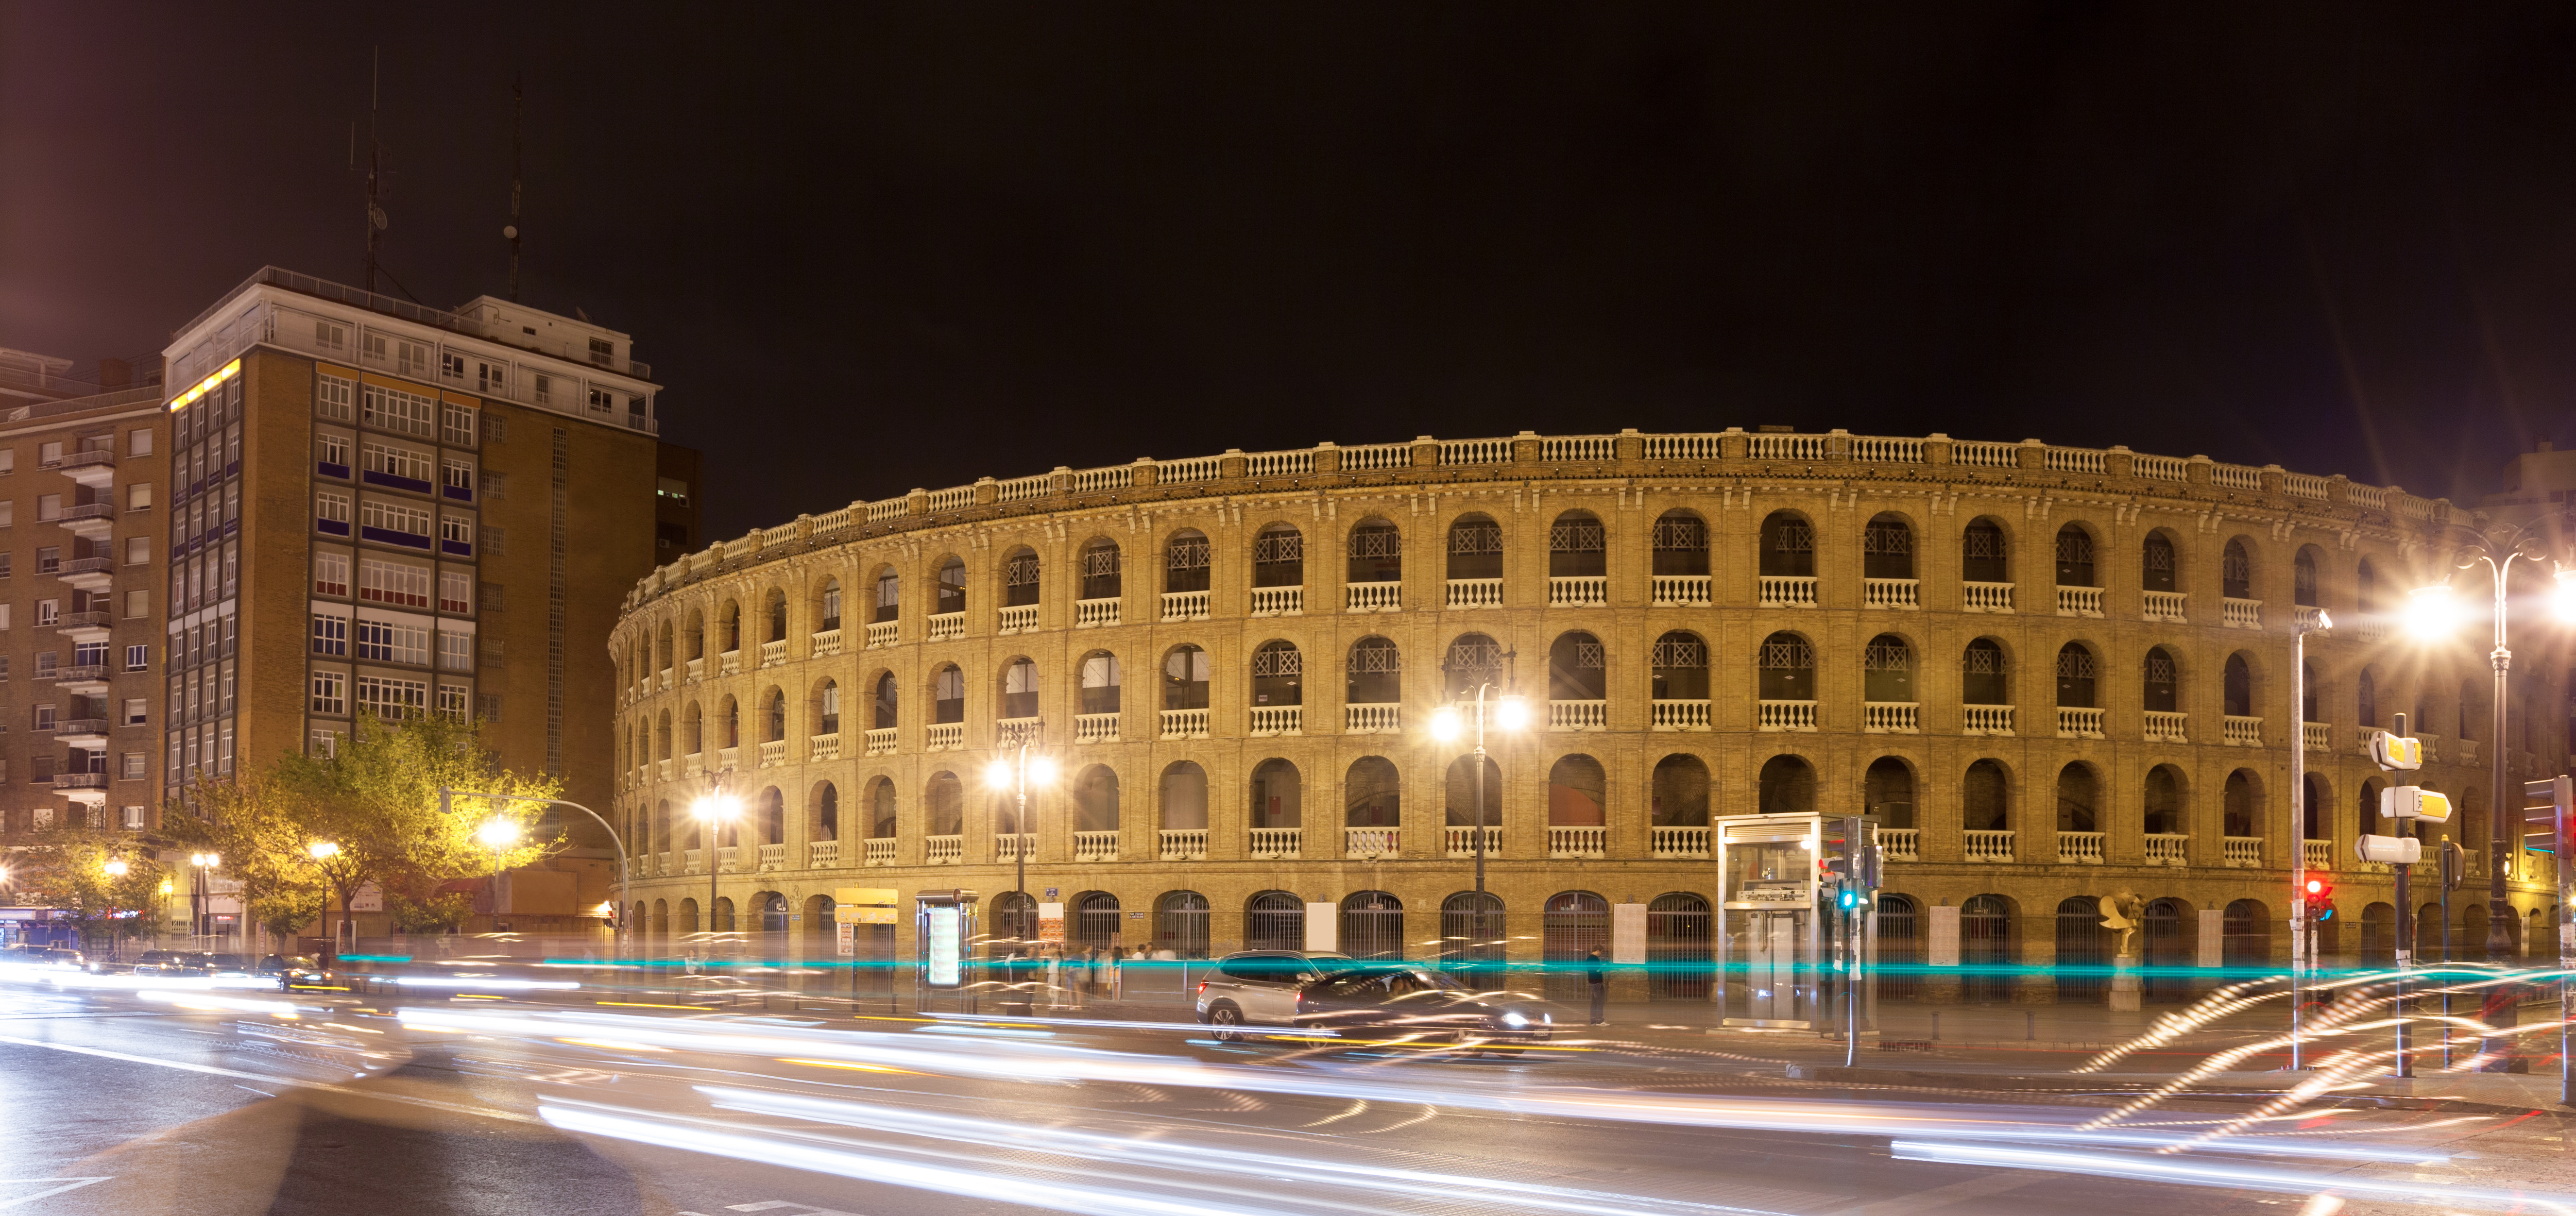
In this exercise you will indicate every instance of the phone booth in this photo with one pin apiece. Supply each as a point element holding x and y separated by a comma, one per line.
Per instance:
<point>1790,952</point>
<point>944,941</point>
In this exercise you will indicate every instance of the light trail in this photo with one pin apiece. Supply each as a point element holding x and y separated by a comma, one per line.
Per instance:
<point>2200,1171</point>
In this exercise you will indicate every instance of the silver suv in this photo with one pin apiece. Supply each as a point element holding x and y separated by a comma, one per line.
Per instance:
<point>1259,987</point>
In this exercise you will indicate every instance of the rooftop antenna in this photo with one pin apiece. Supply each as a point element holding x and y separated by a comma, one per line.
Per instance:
<point>510,231</point>
<point>375,162</point>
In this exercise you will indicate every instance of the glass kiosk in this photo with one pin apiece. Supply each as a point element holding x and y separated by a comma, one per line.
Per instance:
<point>1787,954</point>
<point>944,941</point>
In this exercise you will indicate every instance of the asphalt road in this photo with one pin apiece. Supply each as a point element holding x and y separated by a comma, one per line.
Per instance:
<point>454,1104</point>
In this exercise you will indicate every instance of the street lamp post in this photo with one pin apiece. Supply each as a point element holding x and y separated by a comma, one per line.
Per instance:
<point>198,864</point>
<point>1509,713</point>
<point>446,801</point>
<point>2301,926</point>
<point>498,834</point>
<point>324,850</point>
<point>716,806</point>
<point>1017,774</point>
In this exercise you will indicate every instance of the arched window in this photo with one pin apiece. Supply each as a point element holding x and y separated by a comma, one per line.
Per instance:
<point>1681,545</point>
<point>1099,683</point>
<point>1982,677</point>
<point>1788,546</point>
<point>1576,669</point>
<point>2076,673</point>
<point>889,595</point>
<point>1371,795</point>
<point>1278,674</point>
<point>2162,682</point>
<point>1887,548</point>
<point>1576,546</point>
<point>2239,691</point>
<point>2366,691</point>
<point>827,709</point>
<point>1185,678</point>
<point>2245,934</point>
<point>1376,673</point>
<point>1887,671</point>
<point>2079,799</point>
<point>2309,689</point>
<point>886,693</point>
<point>2236,572</point>
<point>1788,786</point>
<point>1184,798</point>
<point>1095,920</point>
<point>2240,803</point>
<point>1472,937</point>
<point>1475,548</point>
<point>1377,552</point>
<point>773,816</point>
<point>951,586</point>
<point>881,809</point>
<point>729,625</point>
<point>1680,797</point>
<point>729,718</point>
<point>2366,588</point>
<point>1274,920</point>
<point>1020,689</point>
<point>662,736</point>
<point>1100,570</point>
<point>1473,660</point>
<point>1372,925</point>
<point>2311,810</point>
<point>777,613</point>
<point>774,717</point>
<point>948,695</point>
<point>2159,565</point>
<point>1985,798</point>
<point>1181,924</point>
<point>1788,668</point>
<point>1279,557</point>
<point>692,729</point>
<point>1095,800</point>
<point>1983,555</point>
<point>1887,791</point>
<point>1185,562</point>
<point>1276,796</point>
<point>828,617</point>
<point>2164,813</point>
<point>2303,578</point>
<point>695,635</point>
<point>1577,790</point>
<point>1461,790</point>
<point>2075,557</point>
<point>1020,582</point>
<point>945,803</point>
<point>1680,669</point>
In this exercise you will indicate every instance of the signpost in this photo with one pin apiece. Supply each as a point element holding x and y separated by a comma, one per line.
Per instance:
<point>2396,752</point>
<point>856,906</point>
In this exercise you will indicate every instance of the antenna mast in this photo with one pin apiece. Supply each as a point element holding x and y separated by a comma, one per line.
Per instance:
<point>512,231</point>
<point>375,162</point>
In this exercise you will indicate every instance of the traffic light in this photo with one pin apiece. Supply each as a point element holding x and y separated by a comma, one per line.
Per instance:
<point>2319,898</point>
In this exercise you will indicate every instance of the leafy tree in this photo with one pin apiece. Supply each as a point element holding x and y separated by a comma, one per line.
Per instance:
<point>436,912</point>
<point>73,869</point>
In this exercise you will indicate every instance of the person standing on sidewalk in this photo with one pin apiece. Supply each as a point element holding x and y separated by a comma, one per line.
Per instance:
<point>1600,988</point>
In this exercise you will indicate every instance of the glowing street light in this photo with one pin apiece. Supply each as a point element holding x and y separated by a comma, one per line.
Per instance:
<point>115,867</point>
<point>323,850</point>
<point>1448,722</point>
<point>1017,775</point>
<point>497,833</point>
<point>2562,598</point>
<point>2430,613</point>
<point>716,806</point>
<point>198,864</point>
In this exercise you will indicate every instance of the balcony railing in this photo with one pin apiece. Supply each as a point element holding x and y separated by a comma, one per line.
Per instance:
<point>2318,854</point>
<point>1184,844</point>
<point>1564,841</point>
<point>1094,614</point>
<point>1371,842</point>
<point>2240,614</point>
<point>880,852</point>
<point>2319,736</point>
<point>1017,618</point>
<point>661,679</point>
<point>1275,844</point>
<point>774,752</point>
<point>881,740</point>
<point>729,858</point>
<point>1891,718</point>
<point>941,850</point>
<point>80,781</point>
<point>1185,723</point>
<point>773,653</point>
<point>729,663</point>
<point>693,861</point>
<point>1374,719</point>
<point>1985,719</point>
<point>1901,844</point>
<point>1681,715</point>
<point>2168,849</point>
<point>728,758</point>
<point>773,857</point>
<point>1475,593</point>
<point>1095,728</point>
<point>944,737</point>
<point>825,747</point>
<point>1986,846</point>
<point>883,633</point>
<point>2167,726</point>
<point>1185,605</point>
<point>1461,840</point>
<point>822,854</point>
<point>1785,715</point>
<point>1788,591</point>
<point>2076,722</point>
<point>827,643</point>
<point>1985,597</point>
<point>1277,720</point>
<point>947,625</point>
<point>1900,593</point>
<point>2432,747</point>
<point>2243,731</point>
<point>697,670</point>
<point>1681,591</point>
<point>1279,601</point>
<point>2242,851</point>
<point>1688,841</point>
<point>2079,601</point>
<point>2174,606</point>
<point>1578,715</point>
<point>1373,597</point>
<point>2079,848</point>
<point>1015,846</point>
<point>1578,591</point>
<point>1095,846</point>
<point>1012,732</point>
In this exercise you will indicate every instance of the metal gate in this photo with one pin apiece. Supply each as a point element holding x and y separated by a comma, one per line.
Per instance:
<point>2378,936</point>
<point>2083,951</point>
<point>1678,942</point>
<point>2245,935</point>
<point>1373,925</point>
<point>2168,951</point>
<point>1471,938</point>
<point>1575,924</point>
<point>1900,948</point>
<point>1274,920</point>
<point>1095,921</point>
<point>1985,949</point>
<point>1181,924</point>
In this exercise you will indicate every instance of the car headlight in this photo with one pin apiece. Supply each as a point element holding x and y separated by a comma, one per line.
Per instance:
<point>1515,1020</point>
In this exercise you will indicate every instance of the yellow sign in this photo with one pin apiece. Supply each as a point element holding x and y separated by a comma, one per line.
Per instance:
<point>861,914</point>
<point>880,896</point>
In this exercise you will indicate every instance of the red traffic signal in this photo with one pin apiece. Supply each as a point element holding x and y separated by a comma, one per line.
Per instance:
<point>2319,898</point>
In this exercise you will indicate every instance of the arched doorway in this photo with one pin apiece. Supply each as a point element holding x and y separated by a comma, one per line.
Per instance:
<point>1900,947</point>
<point>1095,921</point>
<point>2245,936</point>
<point>1679,939</point>
<point>2083,951</point>
<point>1471,937</point>
<point>773,913</point>
<point>2167,939</point>
<point>1575,924</point>
<point>1274,920</point>
<point>1015,922</point>
<point>1181,924</point>
<point>1985,949</point>
<point>1373,925</point>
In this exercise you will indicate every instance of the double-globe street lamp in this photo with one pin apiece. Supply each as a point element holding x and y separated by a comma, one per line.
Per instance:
<point>1017,775</point>
<point>1447,723</point>
<point>717,807</point>
<point>198,866</point>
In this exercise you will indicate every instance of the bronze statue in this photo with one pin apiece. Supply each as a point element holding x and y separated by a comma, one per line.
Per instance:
<point>2120,914</point>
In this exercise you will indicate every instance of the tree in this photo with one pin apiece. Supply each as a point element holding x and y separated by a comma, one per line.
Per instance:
<point>109,887</point>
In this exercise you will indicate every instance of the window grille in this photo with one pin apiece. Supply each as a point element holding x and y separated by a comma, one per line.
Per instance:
<point>1474,656</point>
<point>2075,547</point>
<point>1887,656</point>
<point>1576,536</point>
<point>1268,547</point>
<point>1986,543</point>
<point>1100,562</point>
<point>1792,536</point>
<point>1588,656</point>
<point>2160,667</point>
<point>1021,571</point>
<point>1377,655</point>
<point>1681,534</point>
<point>1895,539</point>
<point>2235,566</point>
<point>1377,542</point>
<point>1791,654</point>
<point>1278,661</point>
<point>1476,536</point>
<point>1190,553</point>
<point>1680,652</point>
<point>2160,556</point>
<point>2075,663</point>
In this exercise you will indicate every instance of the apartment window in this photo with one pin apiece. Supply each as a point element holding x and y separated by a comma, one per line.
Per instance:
<point>133,815</point>
<point>44,717</point>
<point>331,513</point>
<point>491,538</point>
<point>326,743</point>
<point>330,692</point>
<point>495,485</point>
<point>89,654</point>
<point>451,365</point>
<point>8,461</point>
<point>49,612</point>
<point>411,358</point>
<point>331,455</point>
<point>601,400</point>
<point>132,770</point>
<point>675,490</point>
<point>392,521</point>
<point>232,568</point>
<point>335,398</point>
<point>135,711</point>
<point>410,467</point>
<point>330,574</point>
<point>386,642</point>
<point>138,443</point>
<point>602,352</point>
<point>138,604</point>
<point>390,698</point>
<point>138,497</point>
<point>393,583</point>
<point>487,706</point>
<point>490,379</point>
<point>456,651</point>
<point>8,509</point>
<point>330,634</point>
<point>454,701</point>
<point>4,616</point>
<point>4,565</point>
<point>495,597</point>
<point>456,422</point>
<point>49,507</point>
<point>45,664</point>
<point>455,591</point>
<point>138,550</point>
<point>457,476</point>
<point>395,410</point>
<point>49,454</point>
<point>138,657</point>
<point>456,535</point>
<point>49,559</point>
<point>491,652</point>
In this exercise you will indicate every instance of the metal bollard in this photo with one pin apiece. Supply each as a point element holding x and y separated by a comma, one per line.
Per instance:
<point>2030,1025</point>
<point>1936,1025</point>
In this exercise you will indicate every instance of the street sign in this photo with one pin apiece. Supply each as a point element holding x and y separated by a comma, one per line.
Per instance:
<point>2414,802</point>
<point>2394,754</point>
<point>1051,921</point>
<point>2388,850</point>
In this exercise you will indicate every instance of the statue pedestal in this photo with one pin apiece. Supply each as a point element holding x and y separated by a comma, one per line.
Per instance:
<point>2124,984</point>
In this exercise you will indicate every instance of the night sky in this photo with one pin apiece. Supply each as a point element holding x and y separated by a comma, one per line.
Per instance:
<point>915,244</point>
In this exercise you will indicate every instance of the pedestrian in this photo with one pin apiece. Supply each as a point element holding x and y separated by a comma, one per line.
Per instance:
<point>1600,988</point>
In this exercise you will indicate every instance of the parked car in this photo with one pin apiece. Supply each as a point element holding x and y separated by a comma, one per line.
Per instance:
<point>291,971</point>
<point>234,965</point>
<point>169,962</point>
<point>1260,987</point>
<point>1397,1000</point>
<point>43,956</point>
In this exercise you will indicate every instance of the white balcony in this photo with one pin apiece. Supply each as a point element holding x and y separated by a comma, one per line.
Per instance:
<point>1985,597</point>
<point>2243,852</point>
<point>1986,847</point>
<point>1681,715</point>
<point>1278,601</point>
<point>773,653</point>
<point>1185,605</point>
<point>2174,606</point>
<point>728,759</point>
<point>1685,842</point>
<point>1386,719</point>
<point>1094,614</point>
<point>827,643</point>
<point>2079,848</point>
<point>1891,718</point>
<point>2168,849</point>
<point>693,861</point>
<point>661,768</point>
<point>2244,731</point>
<point>2432,747</point>
<point>1901,844</point>
<point>1095,728</point>
<point>1578,591</point>
<point>881,852</point>
<point>2079,601</point>
<point>1012,732</point>
<point>773,753</point>
<point>1371,843</point>
<point>2319,736</point>
<point>1578,715</point>
<point>1184,844</point>
<point>1904,594</point>
<point>944,737</point>
<point>881,741</point>
<point>1577,841</point>
<point>2167,726</point>
<point>1017,618</point>
<point>728,857</point>
<point>2319,854</point>
<point>1185,723</point>
<point>1373,597</point>
<point>1015,846</point>
<point>824,747</point>
<point>729,663</point>
<point>1475,593</point>
<point>947,626</point>
<point>1785,715</point>
<point>1681,591</point>
<point>661,679</point>
<point>1985,719</point>
<point>773,857</point>
<point>2240,614</point>
<point>1461,840</point>
<point>1095,846</point>
<point>1275,844</point>
<point>697,669</point>
<point>1277,720</point>
<point>822,854</point>
<point>1788,591</point>
<point>692,764</point>
<point>883,633</point>
<point>2076,722</point>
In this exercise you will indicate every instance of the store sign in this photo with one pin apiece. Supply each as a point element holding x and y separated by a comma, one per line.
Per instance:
<point>849,935</point>
<point>1774,895</point>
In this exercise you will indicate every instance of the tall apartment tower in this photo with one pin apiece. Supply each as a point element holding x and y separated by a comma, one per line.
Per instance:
<point>381,508</point>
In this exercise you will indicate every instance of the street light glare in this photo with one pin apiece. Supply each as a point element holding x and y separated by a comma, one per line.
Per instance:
<point>998,774</point>
<point>115,867</point>
<point>2562,598</point>
<point>1511,713</point>
<point>718,806</point>
<point>1041,770</point>
<point>497,833</point>
<point>323,850</point>
<point>2429,614</point>
<point>1444,724</point>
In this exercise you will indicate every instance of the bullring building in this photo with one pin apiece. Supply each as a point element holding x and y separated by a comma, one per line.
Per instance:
<point>2051,673</point>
